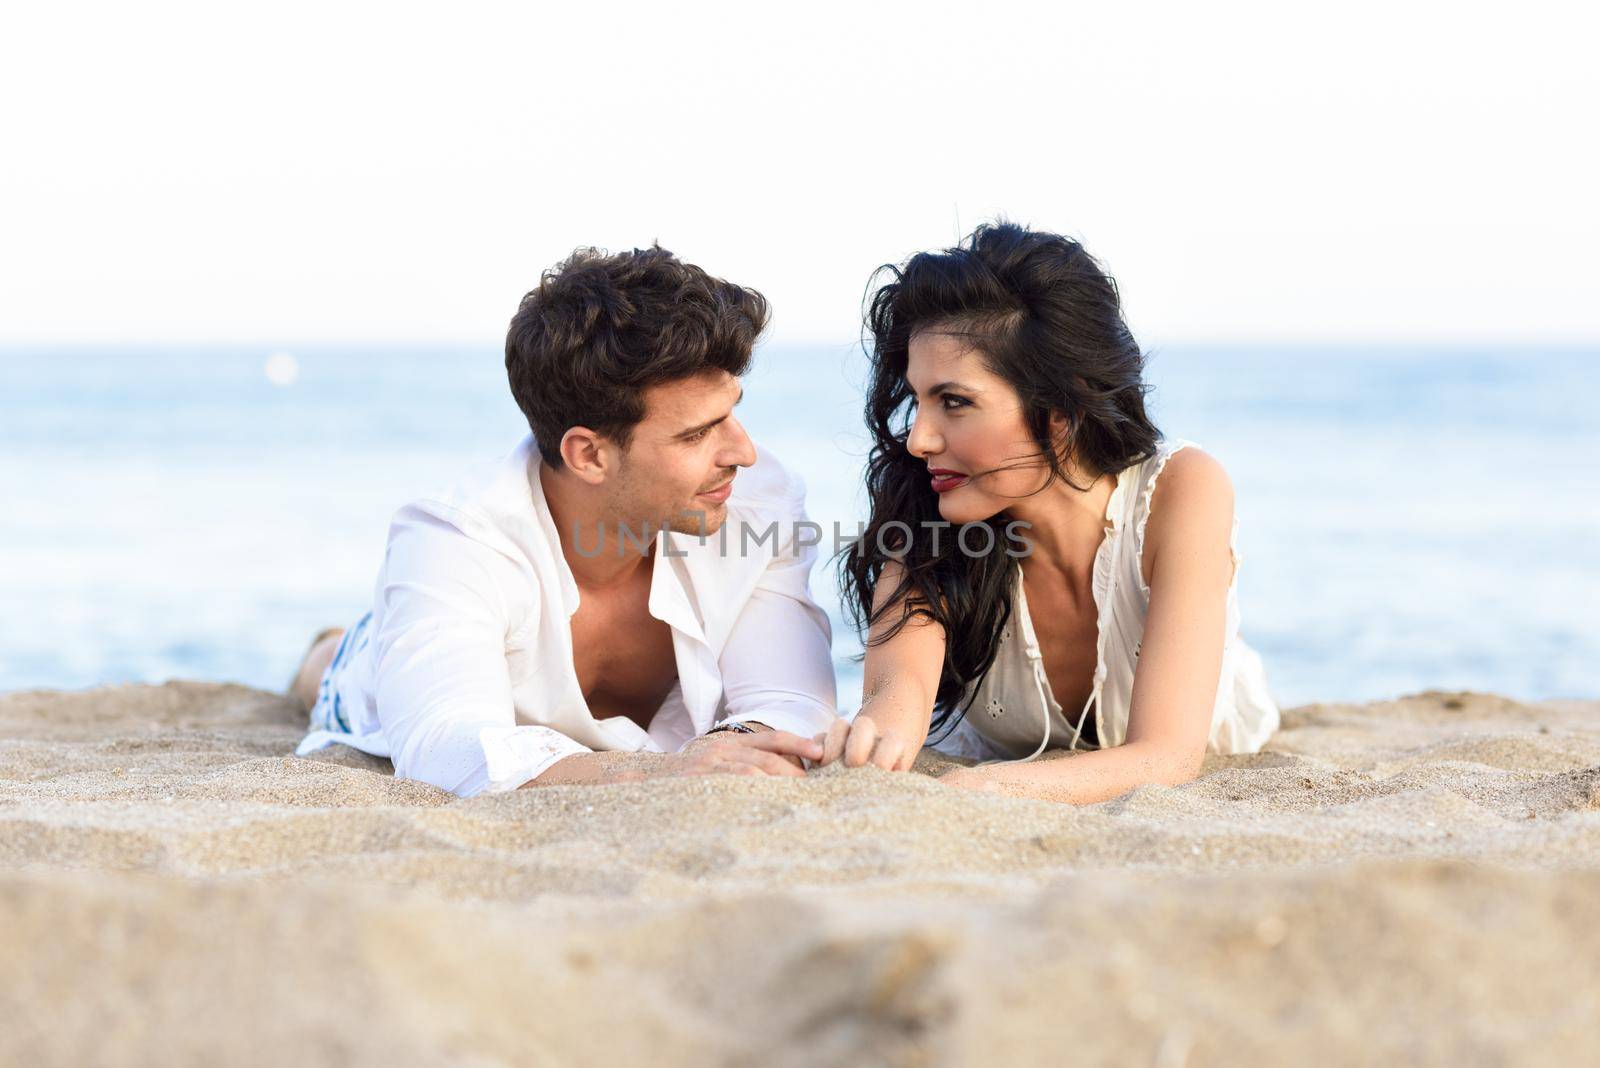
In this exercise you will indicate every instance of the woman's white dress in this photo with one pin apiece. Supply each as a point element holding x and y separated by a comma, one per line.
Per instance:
<point>1008,714</point>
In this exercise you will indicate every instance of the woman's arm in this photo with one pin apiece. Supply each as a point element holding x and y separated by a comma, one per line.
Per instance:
<point>1079,778</point>
<point>1188,560</point>
<point>901,680</point>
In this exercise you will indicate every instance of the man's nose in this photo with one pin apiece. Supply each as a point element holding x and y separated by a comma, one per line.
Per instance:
<point>740,451</point>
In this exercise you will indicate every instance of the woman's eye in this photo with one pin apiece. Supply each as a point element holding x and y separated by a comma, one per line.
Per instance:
<point>952,401</point>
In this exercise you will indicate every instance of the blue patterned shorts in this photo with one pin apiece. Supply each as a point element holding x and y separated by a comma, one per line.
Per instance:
<point>328,713</point>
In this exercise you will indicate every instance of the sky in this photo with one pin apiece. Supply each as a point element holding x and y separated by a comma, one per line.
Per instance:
<point>301,173</point>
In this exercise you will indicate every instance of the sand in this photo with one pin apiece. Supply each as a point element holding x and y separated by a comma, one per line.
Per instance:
<point>1413,882</point>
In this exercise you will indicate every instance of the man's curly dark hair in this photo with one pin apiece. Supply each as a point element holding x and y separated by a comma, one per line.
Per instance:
<point>601,328</point>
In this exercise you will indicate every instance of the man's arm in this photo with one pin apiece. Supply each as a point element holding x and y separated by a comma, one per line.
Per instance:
<point>766,752</point>
<point>777,665</point>
<point>444,689</point>
<point>442,682</point>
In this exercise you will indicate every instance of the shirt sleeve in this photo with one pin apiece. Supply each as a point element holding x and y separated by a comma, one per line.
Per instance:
<point>442,684</point>
<point>777,665</point>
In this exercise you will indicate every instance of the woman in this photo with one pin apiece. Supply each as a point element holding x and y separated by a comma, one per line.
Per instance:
<point>1098,611</point>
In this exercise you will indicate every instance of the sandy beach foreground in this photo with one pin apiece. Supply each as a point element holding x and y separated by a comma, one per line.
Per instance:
<point>1412,882</point>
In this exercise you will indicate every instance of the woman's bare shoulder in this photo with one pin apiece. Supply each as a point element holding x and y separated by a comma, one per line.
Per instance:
<point>1192,501</point>
<point>1192,474</point>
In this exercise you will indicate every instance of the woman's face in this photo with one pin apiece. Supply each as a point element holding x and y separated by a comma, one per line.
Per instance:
<point>969,421</point>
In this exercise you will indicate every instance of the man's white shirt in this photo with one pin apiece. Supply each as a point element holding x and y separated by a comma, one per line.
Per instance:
<point>468,681</point>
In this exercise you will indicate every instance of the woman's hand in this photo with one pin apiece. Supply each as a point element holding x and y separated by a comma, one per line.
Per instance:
<point>863,742</point>
<point>899,683</point>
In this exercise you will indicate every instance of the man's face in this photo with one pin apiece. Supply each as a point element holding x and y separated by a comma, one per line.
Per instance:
<point>680,464</point>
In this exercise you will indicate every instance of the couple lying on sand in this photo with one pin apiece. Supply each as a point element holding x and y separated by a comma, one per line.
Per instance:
<point>626,595</point>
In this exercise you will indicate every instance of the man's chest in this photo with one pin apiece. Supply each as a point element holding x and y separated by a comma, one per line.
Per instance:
<point>622,654</point>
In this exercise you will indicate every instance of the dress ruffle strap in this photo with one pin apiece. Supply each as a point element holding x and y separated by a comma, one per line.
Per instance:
<point>1141,513</point>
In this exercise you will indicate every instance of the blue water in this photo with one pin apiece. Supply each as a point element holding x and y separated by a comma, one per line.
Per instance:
<point>1408,519</point>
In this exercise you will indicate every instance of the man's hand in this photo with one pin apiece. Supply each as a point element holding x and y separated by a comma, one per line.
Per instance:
<point>766,752</point>
<point>759,727</point>
<point>861,742</point>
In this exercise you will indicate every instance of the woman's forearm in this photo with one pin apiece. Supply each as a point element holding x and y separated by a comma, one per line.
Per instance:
<point>899,706</point>
<point>1084,778</point>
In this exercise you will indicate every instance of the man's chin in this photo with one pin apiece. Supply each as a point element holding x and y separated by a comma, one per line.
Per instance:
<point>700,520</point>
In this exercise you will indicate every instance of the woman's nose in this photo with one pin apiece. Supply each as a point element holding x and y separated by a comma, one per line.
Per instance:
<point>923,442</point>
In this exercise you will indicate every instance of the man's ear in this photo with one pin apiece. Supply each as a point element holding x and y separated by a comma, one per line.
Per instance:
<point>588,455</point>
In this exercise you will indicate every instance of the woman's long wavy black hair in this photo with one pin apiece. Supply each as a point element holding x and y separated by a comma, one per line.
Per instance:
<point>1047,319</point>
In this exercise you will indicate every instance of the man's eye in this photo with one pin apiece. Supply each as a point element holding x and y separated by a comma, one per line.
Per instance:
<point>698,435</point>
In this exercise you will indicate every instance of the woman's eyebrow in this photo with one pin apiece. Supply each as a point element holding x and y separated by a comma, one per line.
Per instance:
<point>942,386</point>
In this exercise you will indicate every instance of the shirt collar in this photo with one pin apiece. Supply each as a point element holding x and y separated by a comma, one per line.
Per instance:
<point>671,597</point>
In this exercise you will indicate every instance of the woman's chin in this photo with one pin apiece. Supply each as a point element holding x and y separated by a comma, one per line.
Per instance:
<point>957,512</point>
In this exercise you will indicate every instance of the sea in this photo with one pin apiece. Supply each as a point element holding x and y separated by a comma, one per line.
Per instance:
<point>1409,518</point>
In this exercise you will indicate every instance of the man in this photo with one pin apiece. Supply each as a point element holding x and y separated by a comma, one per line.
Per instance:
<point>609,601</point>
